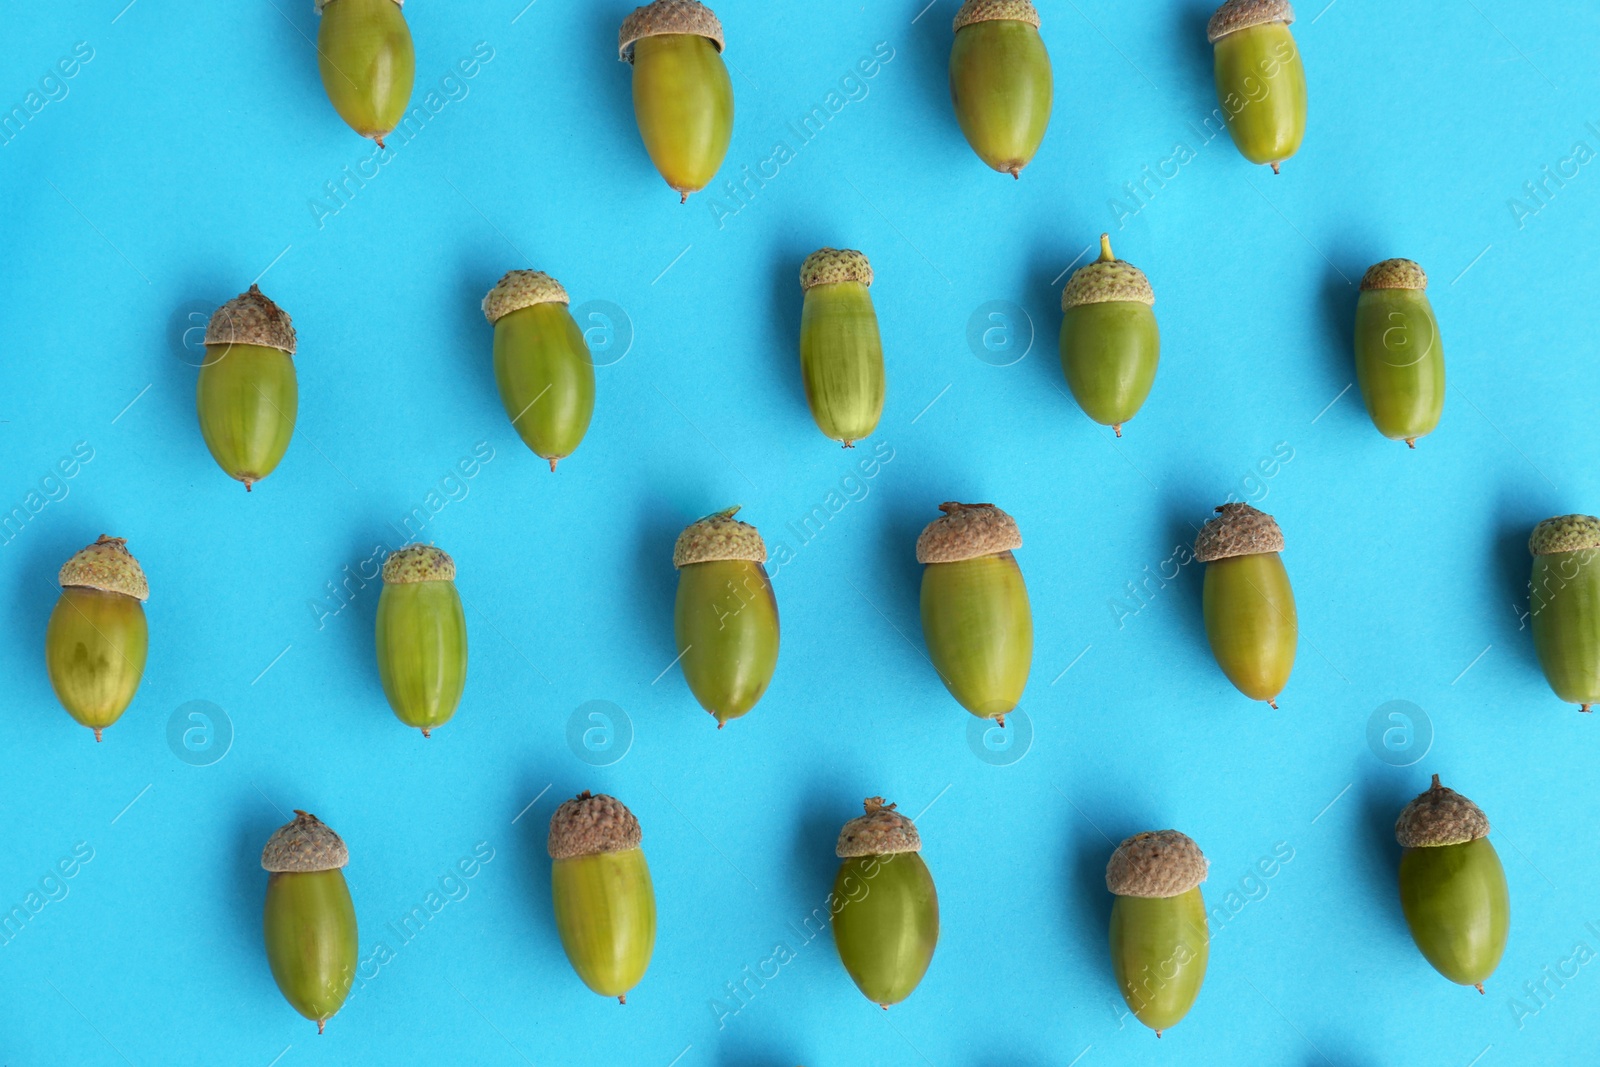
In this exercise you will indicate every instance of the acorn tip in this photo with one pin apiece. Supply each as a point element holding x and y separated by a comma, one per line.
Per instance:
<point>1583,707</point>
<point>1275,169</point>
<point>384,147</point>
<point>683,196</point>
<point>97,736</point>
<point>426,732</point>
<point>1116,428</point>
<point>323,1022</point>
<point>1273,704</point>
<point>1411,442</point>
<point>1479,987</point>
<point>553,464</point>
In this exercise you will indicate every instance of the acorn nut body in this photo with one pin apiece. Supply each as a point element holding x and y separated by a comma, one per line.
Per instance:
<point>1399,355</point>
<point>1564,606</point>
<point>682,95</point>
<point>1261,82</point>
<point>841,354</point>
<point>600,885</point>
<point>97,638</point>
<point>1160,943</point>
<point>247,395</point>
<point>1452,887</point>
<point>1001,82</point>
<point>309,921</point>
<point>976,618</point>
<point>421,637</point>
<point>1248,605</point>
<point>726,616</point>
<point>1110,344</point>
<point>887,923</point>
<point>365,55</point>
<point>541,363</point>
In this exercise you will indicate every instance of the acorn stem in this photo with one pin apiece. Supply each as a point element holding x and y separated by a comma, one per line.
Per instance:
<point>1275,169</point>
<point>97,733</point>
<point>1436,783</point>
<point>1105,249</point>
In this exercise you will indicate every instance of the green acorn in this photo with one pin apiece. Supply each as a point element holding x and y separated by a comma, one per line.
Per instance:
<point>1159,939</point>
<point>1261,82</point>
<point>248,397</point>
<point>1564,606</point>
<point>1000,81</point>
<point>887,921</point>
<point>310,922</point>
<point>1109,341</point>
<point>541,363</point>
<point>1399,356</point>
<point>682,95</point>
<point>841,355</point>
<point>367,62</point>
<point>1452,887</point>
<point>726,616</point>
<point>1249,607</point>
<point>422,637</point>
<point>975,613</point>
<point>600,884</point>
<point>96,641</point>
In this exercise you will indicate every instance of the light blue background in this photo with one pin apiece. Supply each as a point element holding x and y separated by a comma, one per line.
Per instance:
<point>183,162</point>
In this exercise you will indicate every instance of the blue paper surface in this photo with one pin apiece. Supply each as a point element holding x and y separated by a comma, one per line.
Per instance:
<point>193,151</point>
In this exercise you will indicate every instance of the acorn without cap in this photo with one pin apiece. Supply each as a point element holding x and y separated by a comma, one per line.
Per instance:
<point>541,363</point>
<point>97,638</point>
<point>309,922</point>
<point>1109,341</point>
<point>365,55</point>
<point>421,637</point>
<point>682,95</point>
<point>1399,355</point>
<point>247,396</point>
<point>841,354</point>
<point>1000,81</point>
<point>1452,887</point>
<point>886,912</point>
<point>600,885</point>
<point>1261,83</point>
<point>1564,606</point>
<point>726,616</point>
<point>1159,939</point>
<point>1248,605</point>
<point>975,613</point>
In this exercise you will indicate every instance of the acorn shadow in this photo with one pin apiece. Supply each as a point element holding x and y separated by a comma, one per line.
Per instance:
<point>929,58</point>
<point>657,522</point>
<point>531,832</point>
<point>1337,304</point>
<point>1195,54</point>
<point>1513,567</point>
<point>1088,901</point>
<point>1188,588</point>
<point>471,332</point>
<point>1379,880</point>
<point>789,302</point>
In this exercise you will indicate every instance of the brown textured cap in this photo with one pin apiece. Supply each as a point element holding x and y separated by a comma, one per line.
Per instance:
<point>418,563</point>
<point>1440,816</point>
<point>829,266</point>
<point>1394,274</point>
<point>107,565</point>
<point>719,536</point>
<point>589,824</point>
<point>1105,280</point>
<point>1238,530</point>
<point>1157,863</point>
<point>995,10</point>
<point>251,319</point>
<point>967,531</point>
<point>882,831</point>
<point>520,289</point>
<point>1238,15</point>
<point>303,846</point>
<point>664,17</point>
<point>1565,533</point>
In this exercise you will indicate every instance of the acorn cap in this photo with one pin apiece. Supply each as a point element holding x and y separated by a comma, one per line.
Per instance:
<point>1440,816</point>
<point>664,17</point>
<point>1236,15</point>
<point>1565,533</point>
<point>106,565</point>
<point>882,831</point>
<point>1394,274</point>
<point>418,563</point>
<point>304,846</point>
<point>1157,863</point>
<point>1238,530</point>
<point>719,536</point>
<point>520,289</point>
<point>1105,280</point>
<point>251,319</point>
<point>967,531</point>
<point>829,266</point>
<point>590,824</point>
<point>995,10</point>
